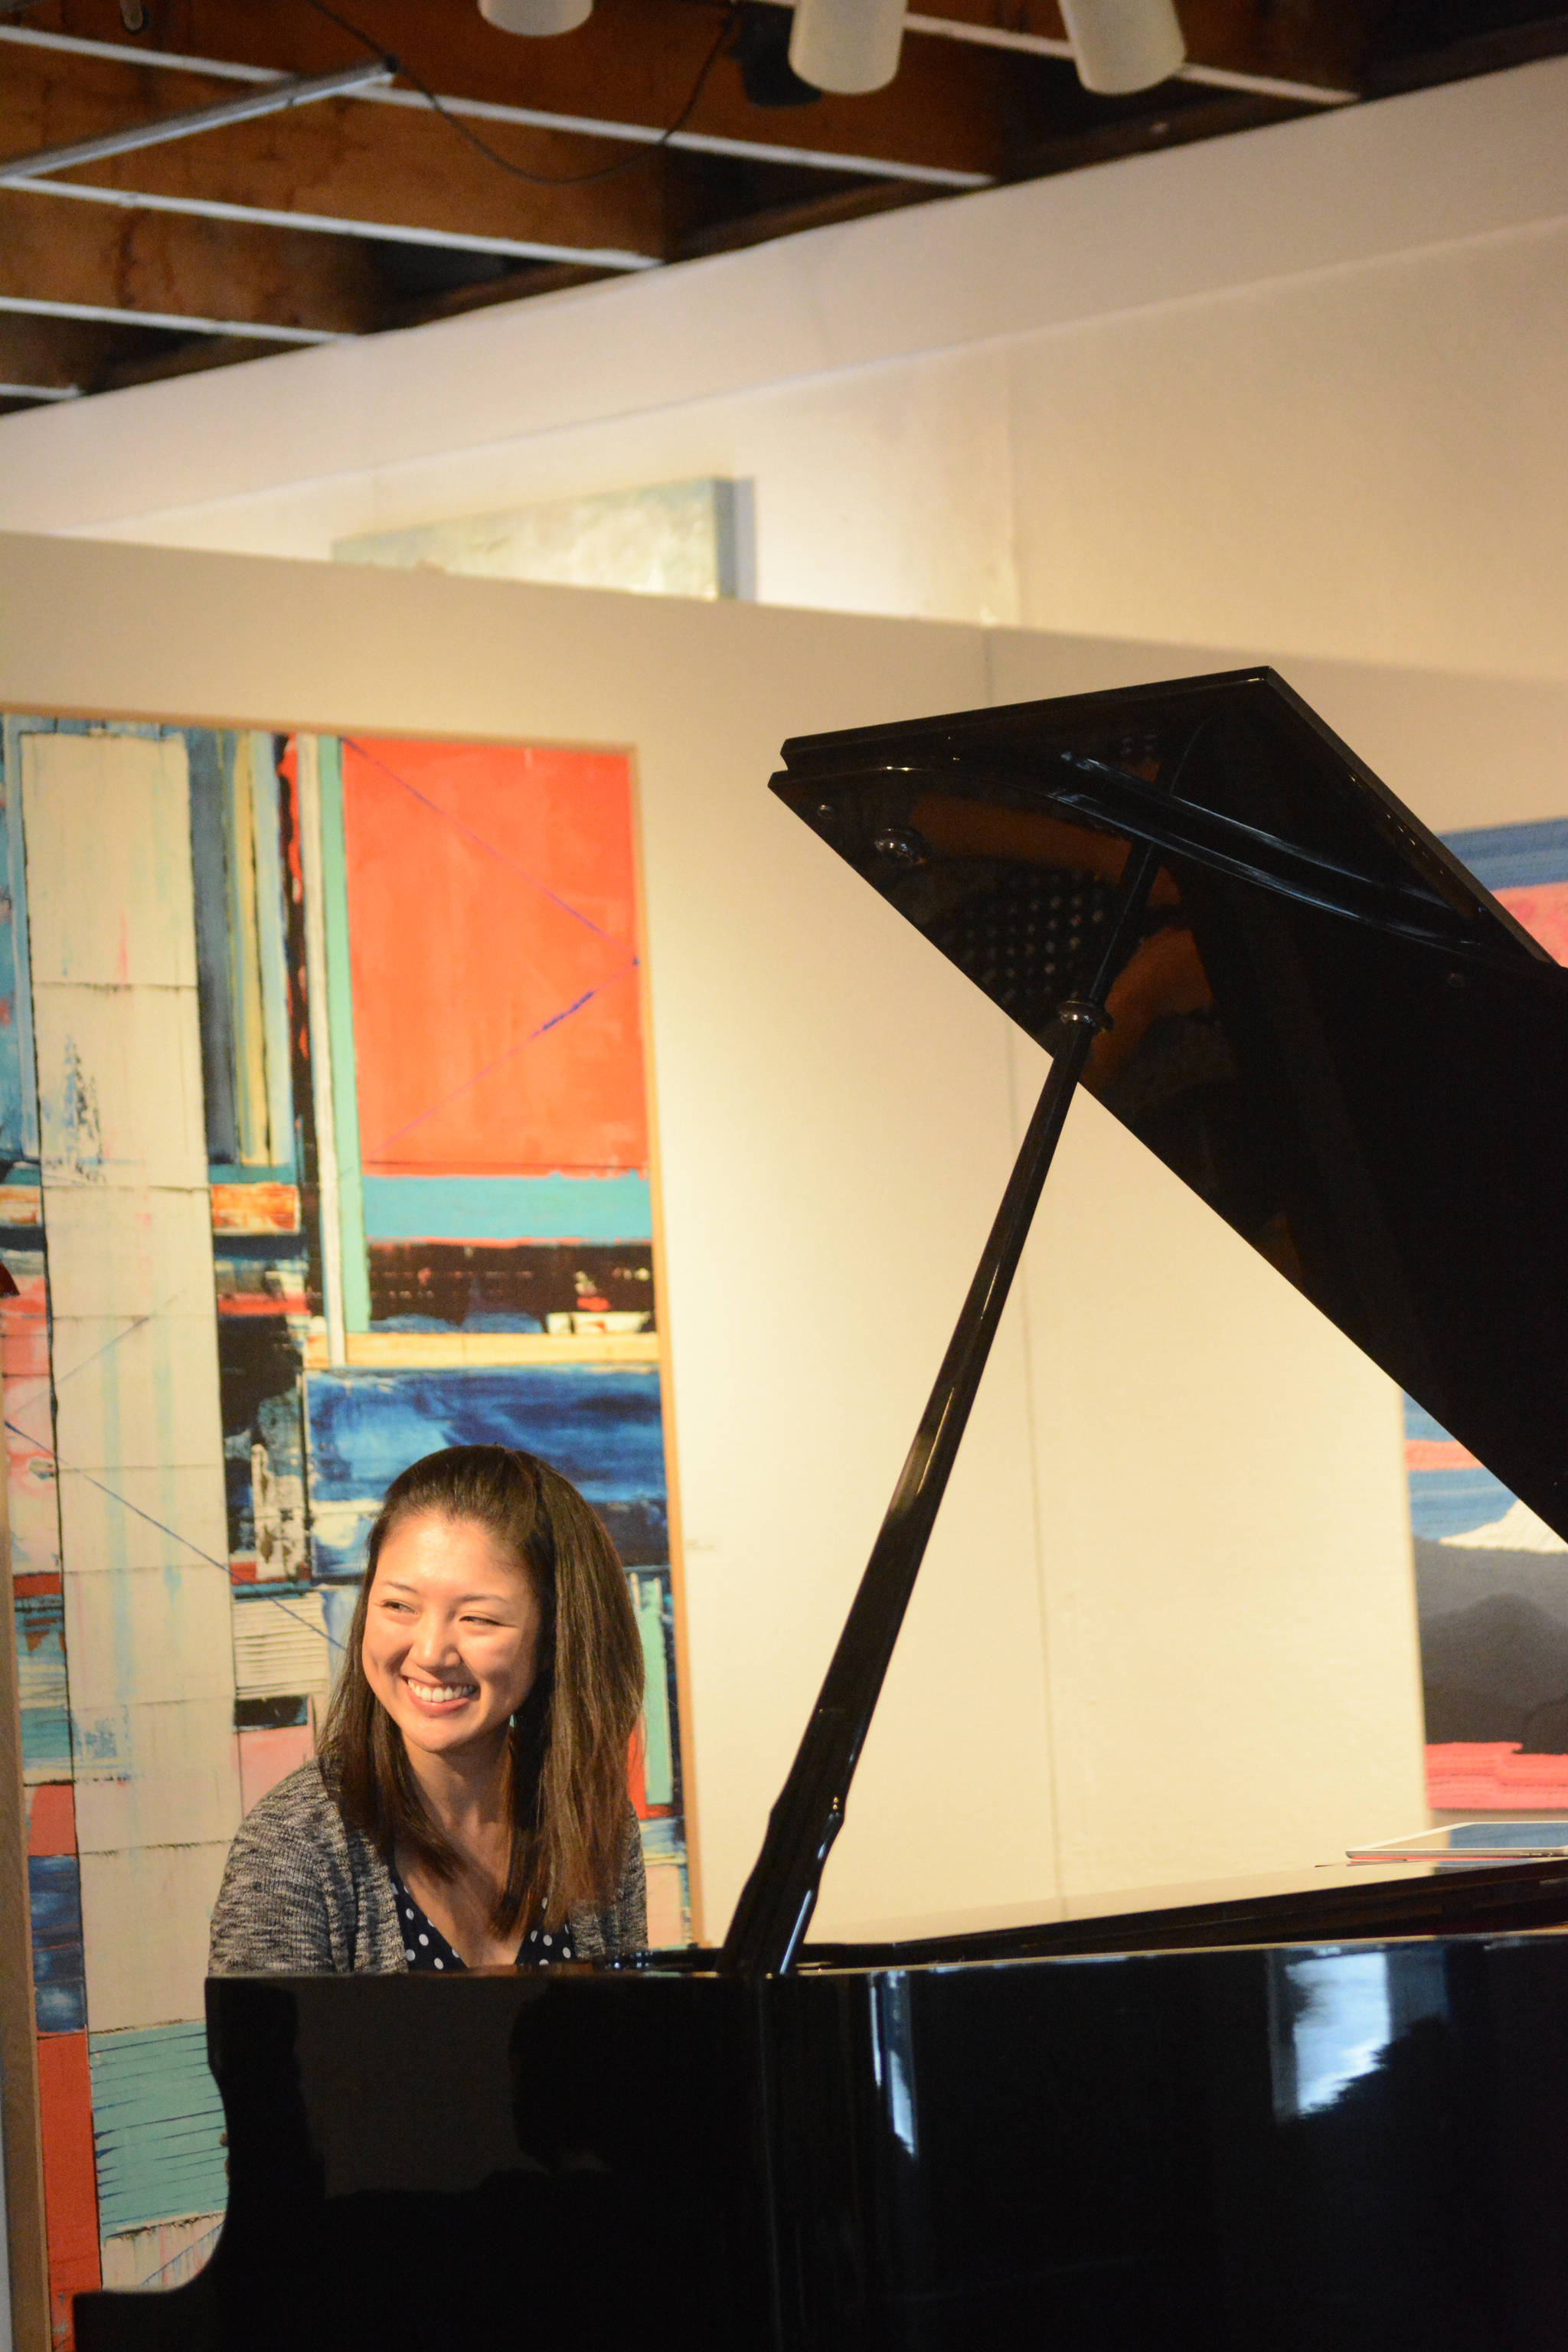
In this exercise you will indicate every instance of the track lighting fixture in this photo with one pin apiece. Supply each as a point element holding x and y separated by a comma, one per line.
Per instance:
<point>1123,45</point>
<point>536,17</point>
<point>847,46</point>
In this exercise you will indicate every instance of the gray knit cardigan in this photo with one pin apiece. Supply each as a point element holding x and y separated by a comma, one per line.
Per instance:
<point>304,1894</point>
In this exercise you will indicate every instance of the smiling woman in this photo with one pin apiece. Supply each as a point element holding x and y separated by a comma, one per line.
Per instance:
<point>470,1805</point>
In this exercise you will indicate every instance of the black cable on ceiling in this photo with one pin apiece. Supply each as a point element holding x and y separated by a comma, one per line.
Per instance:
<point>502,162</point>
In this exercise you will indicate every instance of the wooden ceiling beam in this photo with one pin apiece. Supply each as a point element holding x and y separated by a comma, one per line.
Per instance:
<point>59,355</point>
<point>515,285</point>
<point>1321,41</point>
<point>195,276</point>
<point>1213,115</point>
<point>789,220</point>
<point>394,172</point>
<point>634,63</point>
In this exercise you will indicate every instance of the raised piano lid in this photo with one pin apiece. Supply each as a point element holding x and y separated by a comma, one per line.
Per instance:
<point>1330,1030</point>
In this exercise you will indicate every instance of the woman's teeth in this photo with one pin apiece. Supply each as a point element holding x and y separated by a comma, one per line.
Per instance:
<point>434,1694</point>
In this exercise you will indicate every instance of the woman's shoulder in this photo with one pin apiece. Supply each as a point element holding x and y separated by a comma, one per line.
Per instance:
<point>300,1804</point>
<point>300,1891</point>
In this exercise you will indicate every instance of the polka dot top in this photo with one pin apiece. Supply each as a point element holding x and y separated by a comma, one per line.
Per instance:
<point>425,1947</point>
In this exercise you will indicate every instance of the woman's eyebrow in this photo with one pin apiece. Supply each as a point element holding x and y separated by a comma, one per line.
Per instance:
<point>492,1599</point>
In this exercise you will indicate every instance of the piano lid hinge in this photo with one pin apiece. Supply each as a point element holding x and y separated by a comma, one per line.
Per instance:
<point>1076,1012</point>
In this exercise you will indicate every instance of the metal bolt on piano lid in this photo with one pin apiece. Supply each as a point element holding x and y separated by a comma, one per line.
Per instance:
<point>1106,2129</point>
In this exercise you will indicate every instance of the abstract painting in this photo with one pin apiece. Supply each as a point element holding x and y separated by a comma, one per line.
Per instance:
<point>323,1141</point>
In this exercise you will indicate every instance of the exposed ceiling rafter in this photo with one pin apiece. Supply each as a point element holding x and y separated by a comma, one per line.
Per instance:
<point>320,200</point>
<point>339,172</point>
<point>532,117</point>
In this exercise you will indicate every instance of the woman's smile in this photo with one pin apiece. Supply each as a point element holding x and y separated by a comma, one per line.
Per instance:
<point>445,1696</point>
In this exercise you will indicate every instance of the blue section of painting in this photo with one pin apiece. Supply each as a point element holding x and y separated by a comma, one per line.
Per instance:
<point>662,1841</point>
<point>1514,856</point>
<point>54,1903</point>
<point>600,1427</point>
<point>1448,1502</point>
<point>41,1685</point>
<point>557,1207</point>
<point>1455,1502</point>
<point>157,2126</point>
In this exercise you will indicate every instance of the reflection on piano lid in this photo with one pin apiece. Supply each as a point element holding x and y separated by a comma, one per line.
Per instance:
<point>1327,1028</point>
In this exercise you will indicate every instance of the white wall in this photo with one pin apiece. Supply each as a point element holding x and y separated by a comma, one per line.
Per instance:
<point>1301,388</point>
<point>1167,1626</point>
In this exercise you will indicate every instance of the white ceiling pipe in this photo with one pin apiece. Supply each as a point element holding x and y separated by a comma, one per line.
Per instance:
<point>847,46</point>
<point>273,98</point>
<point>1124,45</point>
<point>538,18</point>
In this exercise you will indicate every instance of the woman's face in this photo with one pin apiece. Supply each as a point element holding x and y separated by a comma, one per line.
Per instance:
<point>453,1632</point>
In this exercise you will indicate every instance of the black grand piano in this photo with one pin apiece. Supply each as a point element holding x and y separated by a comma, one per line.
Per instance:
<point>1327,2113</point>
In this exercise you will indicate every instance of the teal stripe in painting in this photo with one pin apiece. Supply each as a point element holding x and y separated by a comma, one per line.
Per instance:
<point>341,1027</point>
<point>16,880</point>
<point>46,1742</point>
<point>659,1780</point>
<point>508,1208</point>
<point>157,2128</point>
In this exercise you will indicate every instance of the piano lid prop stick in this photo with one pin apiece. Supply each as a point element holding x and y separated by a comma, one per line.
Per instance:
<point>777,1901</point>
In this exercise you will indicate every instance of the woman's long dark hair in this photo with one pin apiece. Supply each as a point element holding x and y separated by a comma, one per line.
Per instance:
<point>567,1752</point>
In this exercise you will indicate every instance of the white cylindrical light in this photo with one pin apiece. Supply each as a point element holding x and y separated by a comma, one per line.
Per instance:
<point>1124,45</point>
<point>847,46</point>
<point>538,18</point>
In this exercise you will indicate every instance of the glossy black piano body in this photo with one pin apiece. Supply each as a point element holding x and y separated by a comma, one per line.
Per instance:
<point>1330,2115</point>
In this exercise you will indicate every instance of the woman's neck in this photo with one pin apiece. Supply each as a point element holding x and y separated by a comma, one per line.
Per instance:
<point>466,1793</point>
<point>468,1800</point>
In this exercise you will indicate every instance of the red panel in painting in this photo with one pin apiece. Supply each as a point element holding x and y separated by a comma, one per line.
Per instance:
<point>70,2182</point>
<point>51,1818</point>
<point>1543,909</point>
<point>492,923</point>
